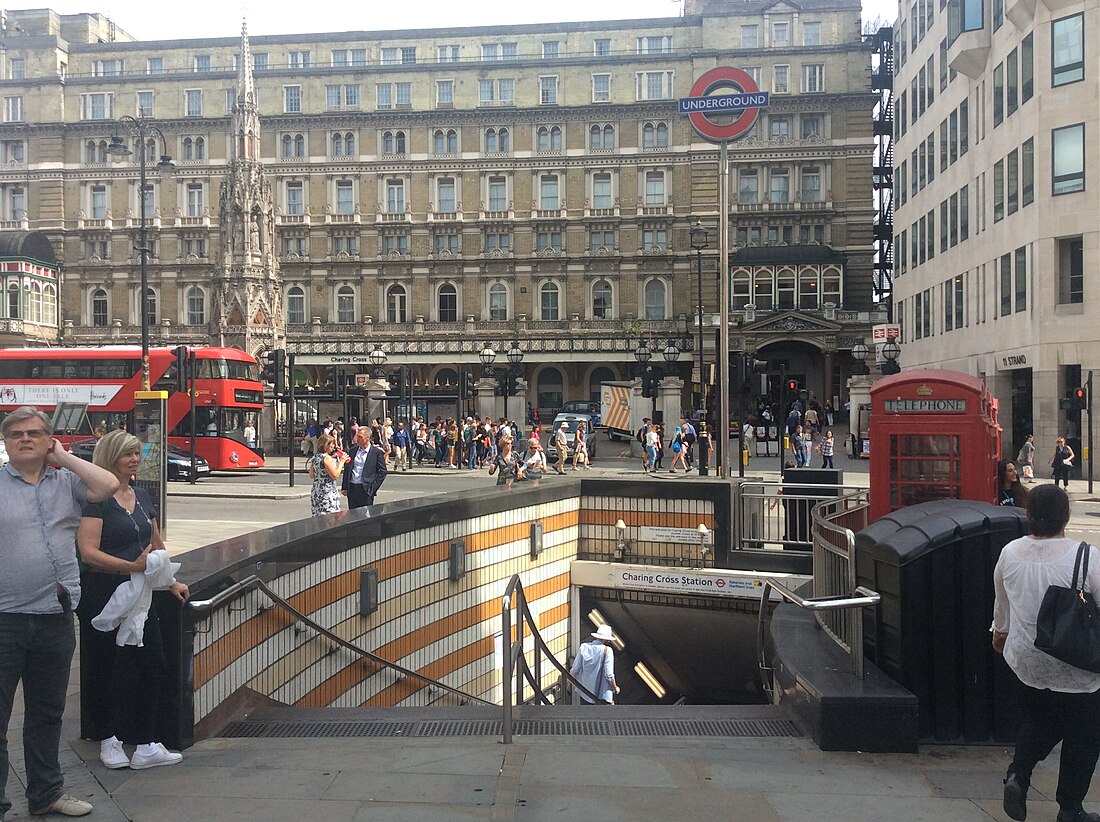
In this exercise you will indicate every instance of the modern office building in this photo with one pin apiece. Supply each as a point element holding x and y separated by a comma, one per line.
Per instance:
<point>996,221</point>
<point>432,191</point>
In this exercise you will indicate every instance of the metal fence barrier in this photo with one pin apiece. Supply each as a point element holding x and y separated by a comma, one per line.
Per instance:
<point>776,516</point>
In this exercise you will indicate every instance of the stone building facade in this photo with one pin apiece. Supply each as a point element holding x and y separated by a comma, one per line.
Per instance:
<point>432,191</point>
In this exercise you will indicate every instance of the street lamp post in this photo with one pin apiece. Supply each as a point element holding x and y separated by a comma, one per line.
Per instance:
<point>699,242</point>
<point>141,127</point>
<point>890,352</point>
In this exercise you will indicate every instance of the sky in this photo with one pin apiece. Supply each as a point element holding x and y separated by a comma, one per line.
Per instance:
<point>211,18</point>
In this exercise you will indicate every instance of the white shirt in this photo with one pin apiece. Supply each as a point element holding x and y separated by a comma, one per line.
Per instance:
<point>1026,568</point>
<point>358,462</point>
<point>535,459</point>
<point>594,668</point>
<point>652,439</point>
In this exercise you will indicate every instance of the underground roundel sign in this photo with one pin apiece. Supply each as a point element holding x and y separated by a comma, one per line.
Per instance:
<point>745,103</point>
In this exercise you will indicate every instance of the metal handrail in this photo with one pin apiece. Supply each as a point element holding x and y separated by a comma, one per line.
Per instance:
<point>859,598</point>
<point>255,582</point>
<point>515,663</point>
<point>834,568</point>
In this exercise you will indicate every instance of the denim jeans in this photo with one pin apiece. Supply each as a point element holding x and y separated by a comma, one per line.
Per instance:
<point>38,649</point>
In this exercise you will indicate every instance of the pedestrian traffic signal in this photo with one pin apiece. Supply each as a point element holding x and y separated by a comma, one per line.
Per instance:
<point>1081,398</point>
<point>468,387</point>
<point>181,367</point>
<point>792,386</point>
<point>275,372</point>
<point>651,381</point>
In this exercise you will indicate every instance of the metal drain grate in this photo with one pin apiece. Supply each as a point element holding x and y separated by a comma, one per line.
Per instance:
<point>523,727</point>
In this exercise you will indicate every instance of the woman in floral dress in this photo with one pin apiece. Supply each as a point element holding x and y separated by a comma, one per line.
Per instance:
<point>324,469</point>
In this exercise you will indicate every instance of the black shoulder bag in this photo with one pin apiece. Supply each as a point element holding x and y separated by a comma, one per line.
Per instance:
<point>1068,627</point>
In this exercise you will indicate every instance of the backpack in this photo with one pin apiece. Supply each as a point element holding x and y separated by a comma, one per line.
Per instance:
<point>641,435</point>
<point>689,437</point>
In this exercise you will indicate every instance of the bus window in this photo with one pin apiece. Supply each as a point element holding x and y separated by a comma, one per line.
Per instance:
<point>110,420</point>
<point>233,422</point>
<point>207,422</point>
<point>116,369</point>
<point>241,370</point>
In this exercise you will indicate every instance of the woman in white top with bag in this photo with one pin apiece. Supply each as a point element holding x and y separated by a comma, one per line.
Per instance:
<point>1062,702</point>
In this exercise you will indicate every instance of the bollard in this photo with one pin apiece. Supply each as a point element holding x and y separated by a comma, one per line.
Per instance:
<point>703,441</point>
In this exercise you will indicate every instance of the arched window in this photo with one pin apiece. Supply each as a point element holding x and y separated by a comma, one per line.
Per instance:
<point>345,304</point>
<point>446,377</point>
<point>387,142</point>
<point>609,136</point>
<point>299,145</point>
<point>452,141</point>
<point>151,306</point>
<point>549,308</point>
<point>196,306</point>
<point>655,135</point>
<point>287,146</point>
<point>742,287</point>
<point>498,301</point>
<point>349,144</point>
<point>601,300</point>
<point>491,141</point>
<point>198,151</point>
<point>89,152</point>
<point>295,305</point>
<point>338,145</point>
<point>448,303</point>
<point>36,303</point>
<point>809,294</point>
<point>188,148</point>
<point>764,295</point>
<point>152,154</point>
<point>49,304</point>
<point>504,139</point>
<point>399,142</point>
<point>95,151</point>
<point>99,308</point>
<point>655,300</point>
<point>595,137</point>
<point>439,141</point>
<point>549,138</point>
<point>596,379</point>
<point>550,396</point>
<point>396,304</point>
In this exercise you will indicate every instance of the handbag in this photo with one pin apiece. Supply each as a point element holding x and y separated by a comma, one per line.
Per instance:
<point>1068,625</point>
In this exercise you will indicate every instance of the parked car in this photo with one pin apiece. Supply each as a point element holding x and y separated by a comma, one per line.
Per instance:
<point>572,422</point>
<point>179,461</point>
<point>592,409</point>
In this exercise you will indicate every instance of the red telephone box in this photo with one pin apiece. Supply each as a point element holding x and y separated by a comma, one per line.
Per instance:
<point>934,435</point>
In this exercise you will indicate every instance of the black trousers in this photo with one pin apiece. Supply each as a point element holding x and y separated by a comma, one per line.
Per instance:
<point>124,683</point>
<point>358,496</point>
<point>1050,717</point>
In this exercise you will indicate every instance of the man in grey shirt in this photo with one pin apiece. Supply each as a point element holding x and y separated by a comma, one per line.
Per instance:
<point>43,488</point>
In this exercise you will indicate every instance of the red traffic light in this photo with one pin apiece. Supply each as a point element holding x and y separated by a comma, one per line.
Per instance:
<point>792,385</point>
<point>1079,394</point>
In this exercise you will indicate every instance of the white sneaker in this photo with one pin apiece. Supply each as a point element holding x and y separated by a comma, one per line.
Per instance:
<point>159,756</point>
<point>112,755</point>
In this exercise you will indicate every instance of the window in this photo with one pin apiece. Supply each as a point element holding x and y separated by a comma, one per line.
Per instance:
<point>1027,172</point>
<point>944,223</point>
<point>654,300</point>
<point>295,305</point>
<point>345,197</point>
<point>388,92</point>
<point>1071,270</point>
<point>1067,51</point>
<point>548,138</point>
<point>95,151</point>
<point>601,300</point>
<point>396,304</point>
<point>393,142</point>
<point>447,54</point>
<point>154,65</point>
<point>445,141</point>
<point>781,79</point>
<point>1068,148</point>
<point>201,62</point>
<point>293,145</point>
<point>655,135</point>
<point>194,148</point>
<point>151,306</point>
<point>343,144</point>
<point>750,37</point>
<point>193,102</point>
<point>345,304</point>
<point>601,88</point>
<point>92,107</point>
<point>1021,279</point>
<point>780,191</point>
<point>748,186</point>
<point>943,64</point>
<point>395,244</point>
<point>811,125</point>
<point>230,99</point>
<point>655,45</point>
<point>548,302</point>
<point>1005,274</point>
<point>17,204</point>
<point>498,241</point>
<point>196,246</point>
<point>292,99</point>
<point>345,244</point>
<point>601,190</point>
<point>395,196</point>
<point>340,98</point>
<point>654,239</point>
<point>1013,181</point>
<point>811,34</point>
<point>548,90</point>
<point>385,96</point>
<point>498,302</point>
<point>145,104</point>
<point>550,50</point>
<point>445,201</point>
<point>811,184</point>
<point>813,78</point>
<point>779,128</point>
<point>298,59</point>
<point>655,85</point>
<point>498,51</point>
<point>964,213</point>
<point>297,246</point>
<point>548,192</point>
<point>998,94</point>
<point>98,202</point>
<point>548,240</point>
<point>952,137</point>
<point>998,191</point>
<point>196,306</point>
<point>498,194</point>
<point>13,152</point>
<point>781,34</point>
<point>259,61</point>
<point>1027,68</point>
<point>497,141</point>
<point>448,303</point>
<point>99,307</point>
<point>196,205</point>
<point>601,47</point>
<point>1012,87</point>
<point>601,240</point>
<point>654,188</point>
<point>601,137</point>
<point>444,93</point>
<point>964,127</point>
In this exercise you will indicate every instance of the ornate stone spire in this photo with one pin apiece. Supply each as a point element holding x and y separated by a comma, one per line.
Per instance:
<point>248,285</point>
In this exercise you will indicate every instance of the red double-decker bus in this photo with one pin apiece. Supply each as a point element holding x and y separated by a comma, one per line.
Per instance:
<point>229,396</point>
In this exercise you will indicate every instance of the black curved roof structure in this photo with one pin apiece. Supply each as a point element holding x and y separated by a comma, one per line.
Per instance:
<point>32,244</point>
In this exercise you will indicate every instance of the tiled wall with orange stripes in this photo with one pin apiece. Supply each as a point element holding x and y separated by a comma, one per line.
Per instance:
<point>598,535</point>
<point>442,629</point>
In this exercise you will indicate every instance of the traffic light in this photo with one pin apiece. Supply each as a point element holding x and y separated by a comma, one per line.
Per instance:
<point>468,388</point>
<point>276,371</point>
<point>181,367</point>
<point>792,387</point>
<point>759,366</point>
<point>1081,398</point>
<point>651,380</point>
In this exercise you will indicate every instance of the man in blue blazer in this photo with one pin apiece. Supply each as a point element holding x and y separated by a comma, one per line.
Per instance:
<point>364,472</point>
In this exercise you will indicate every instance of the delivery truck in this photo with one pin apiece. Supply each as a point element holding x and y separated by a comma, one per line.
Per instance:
<point>620,409</point>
